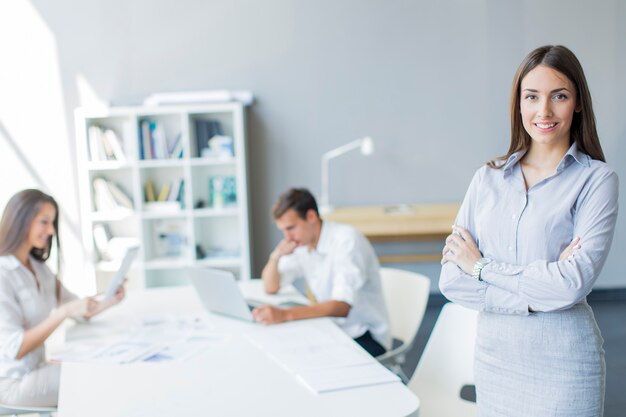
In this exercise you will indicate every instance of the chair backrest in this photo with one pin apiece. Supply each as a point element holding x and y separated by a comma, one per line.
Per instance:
<point>406,295</point>
<point>447,364</point>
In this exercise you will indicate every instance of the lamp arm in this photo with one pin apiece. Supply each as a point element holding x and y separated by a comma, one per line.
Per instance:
<point>326,157</point>
<point>333,153</point>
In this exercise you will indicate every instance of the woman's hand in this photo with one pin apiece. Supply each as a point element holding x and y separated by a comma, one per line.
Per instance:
<point>80,308</point>
<point>461,250</point>
<point>100,305</point>
<point>570,250</point>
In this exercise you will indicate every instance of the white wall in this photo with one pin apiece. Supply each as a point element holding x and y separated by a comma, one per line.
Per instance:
<point>428,80</point>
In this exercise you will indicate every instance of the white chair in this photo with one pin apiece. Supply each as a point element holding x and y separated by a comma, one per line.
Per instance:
<point>14,410</point>
<point>447,365</point>
<point>406,295</point>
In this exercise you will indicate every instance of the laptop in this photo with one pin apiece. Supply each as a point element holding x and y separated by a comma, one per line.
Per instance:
<point>219,293</point>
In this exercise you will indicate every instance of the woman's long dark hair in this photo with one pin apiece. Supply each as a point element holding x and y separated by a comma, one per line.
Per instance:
<point>583,130</point>
<point>17,218</point>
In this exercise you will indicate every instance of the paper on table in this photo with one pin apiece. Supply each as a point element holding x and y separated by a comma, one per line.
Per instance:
<point>319,360</point>
<point>188,347</point>
<point>334,379</point>
<point>119,352</point>
<point>317,357</point>
<point>167,339</point>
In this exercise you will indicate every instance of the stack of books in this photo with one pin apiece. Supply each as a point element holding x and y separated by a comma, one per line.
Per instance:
<point>104,145</point>
<point>170,197</point>
<point>153,143</point>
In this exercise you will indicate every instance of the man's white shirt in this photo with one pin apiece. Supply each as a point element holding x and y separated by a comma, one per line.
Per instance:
<point>343,267</point>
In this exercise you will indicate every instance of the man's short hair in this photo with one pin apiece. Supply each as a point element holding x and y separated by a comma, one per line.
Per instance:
<point>299,199</point>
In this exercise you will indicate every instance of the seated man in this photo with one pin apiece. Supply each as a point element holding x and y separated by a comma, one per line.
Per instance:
<point>339,266</point>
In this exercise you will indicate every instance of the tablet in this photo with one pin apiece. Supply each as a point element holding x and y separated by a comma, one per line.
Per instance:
<point>118,278</point>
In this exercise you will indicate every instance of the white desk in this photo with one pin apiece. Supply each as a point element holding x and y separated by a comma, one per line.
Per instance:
<point>232,379</point>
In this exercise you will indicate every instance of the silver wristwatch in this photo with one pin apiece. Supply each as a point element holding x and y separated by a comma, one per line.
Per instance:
<point>478,267</point>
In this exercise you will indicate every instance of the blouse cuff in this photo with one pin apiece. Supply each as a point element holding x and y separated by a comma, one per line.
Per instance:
<point>12,345</point>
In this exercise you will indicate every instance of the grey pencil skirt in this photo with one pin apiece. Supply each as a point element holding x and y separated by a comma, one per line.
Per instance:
<point>542,365</point>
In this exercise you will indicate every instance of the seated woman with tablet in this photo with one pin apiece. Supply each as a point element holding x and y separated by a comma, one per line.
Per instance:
<point>33,301</point>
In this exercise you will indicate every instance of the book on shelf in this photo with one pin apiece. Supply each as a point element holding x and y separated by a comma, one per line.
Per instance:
<point>222,191</point>
<point>144,140</point>
<point>175,150</point>
<point>165,192</point>
<point>150,194</point>
<point>159,142</point>
<point>115,144</point>
<point>154,144</point>
<point>169,192</point>
<point>119,195</point>
<point>104,145</point>
<point>109,196</point>
<point>175,190</point>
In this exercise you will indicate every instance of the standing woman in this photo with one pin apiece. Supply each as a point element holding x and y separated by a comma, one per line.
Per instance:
<point>530,239</point>
<point>33,302</point>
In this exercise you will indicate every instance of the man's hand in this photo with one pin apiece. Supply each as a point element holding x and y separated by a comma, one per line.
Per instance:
<point>267,314</point>
<point>285,247</point>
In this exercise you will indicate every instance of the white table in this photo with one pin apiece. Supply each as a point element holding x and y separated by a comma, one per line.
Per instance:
<point>232,379</point>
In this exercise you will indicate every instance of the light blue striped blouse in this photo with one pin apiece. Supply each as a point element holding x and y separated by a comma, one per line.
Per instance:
<point>525,232</point>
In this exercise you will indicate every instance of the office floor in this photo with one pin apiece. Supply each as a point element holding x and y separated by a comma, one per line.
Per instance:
<point>610,316</point>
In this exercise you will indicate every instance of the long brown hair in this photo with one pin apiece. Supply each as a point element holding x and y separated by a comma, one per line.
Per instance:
<point>583,129</point>
<point>17,218</point>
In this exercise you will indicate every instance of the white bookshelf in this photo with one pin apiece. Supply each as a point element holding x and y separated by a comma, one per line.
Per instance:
<point>169,233</point>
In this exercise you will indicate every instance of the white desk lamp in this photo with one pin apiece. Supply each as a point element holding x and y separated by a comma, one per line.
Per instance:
<point>366,145</point>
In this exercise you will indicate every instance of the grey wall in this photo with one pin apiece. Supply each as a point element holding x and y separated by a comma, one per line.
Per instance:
<point>428,80</point>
